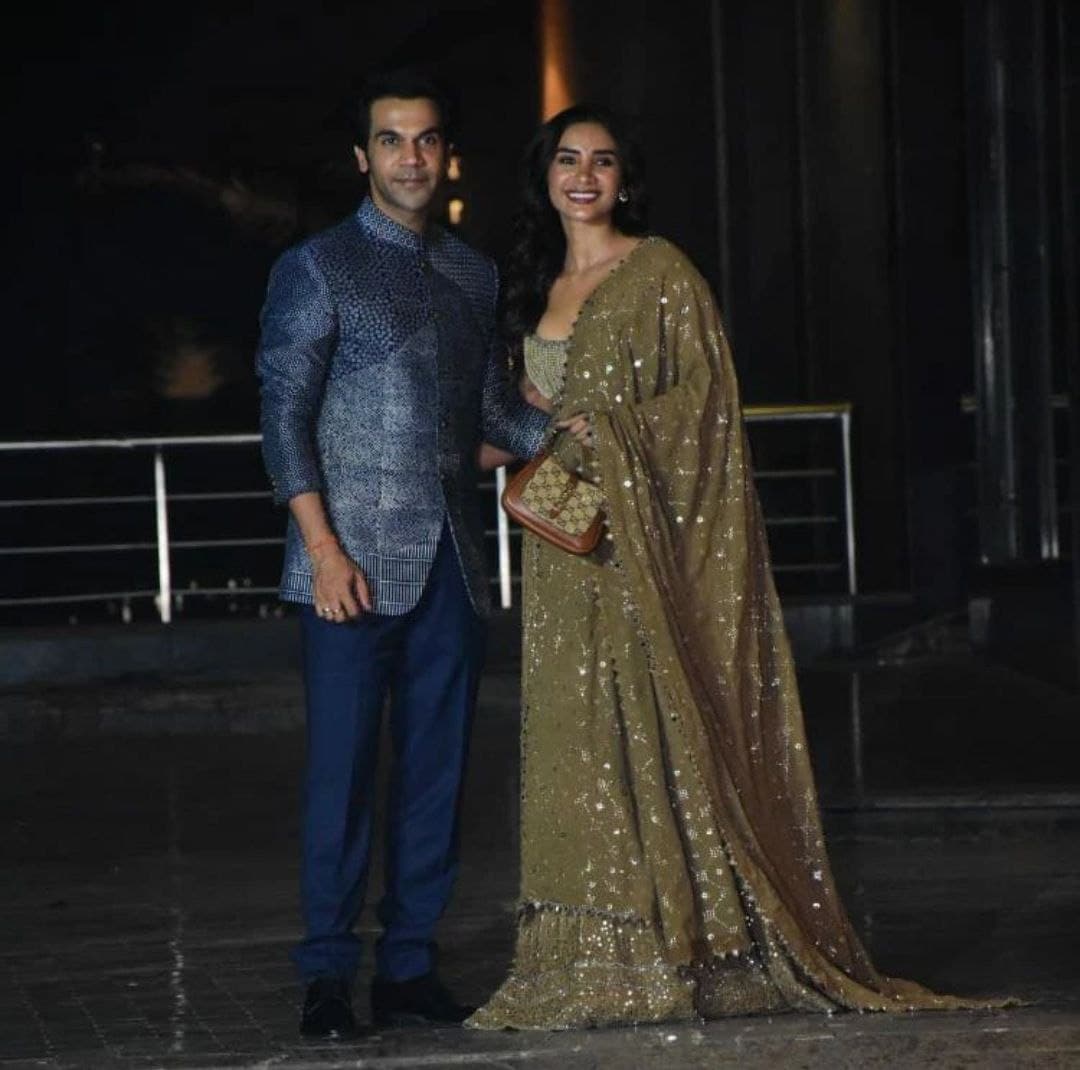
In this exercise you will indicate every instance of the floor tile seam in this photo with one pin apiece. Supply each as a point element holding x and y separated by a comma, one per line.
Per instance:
<point>277,938</point>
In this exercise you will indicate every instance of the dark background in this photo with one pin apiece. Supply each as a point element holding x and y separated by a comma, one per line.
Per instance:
<point>166,160</point>
<point>831,166</point>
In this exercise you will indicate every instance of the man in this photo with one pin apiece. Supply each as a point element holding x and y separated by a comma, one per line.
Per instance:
<point>380,374</point>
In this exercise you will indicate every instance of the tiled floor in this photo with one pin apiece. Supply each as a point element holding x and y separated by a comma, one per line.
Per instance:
<point>149,839</point>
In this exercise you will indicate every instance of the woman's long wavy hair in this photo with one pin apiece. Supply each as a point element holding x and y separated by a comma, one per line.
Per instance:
<point>539,247</point>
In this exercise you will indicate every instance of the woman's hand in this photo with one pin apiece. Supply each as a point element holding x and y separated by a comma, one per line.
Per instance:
<point>579,425</point>
<point>341,588</point>
<point>489,457</point>
<point>533,396</point>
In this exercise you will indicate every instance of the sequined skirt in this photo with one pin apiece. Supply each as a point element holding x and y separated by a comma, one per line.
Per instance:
<point>630,908</point>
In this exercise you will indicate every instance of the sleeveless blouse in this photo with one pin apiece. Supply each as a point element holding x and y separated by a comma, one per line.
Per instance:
<point>545,363</point>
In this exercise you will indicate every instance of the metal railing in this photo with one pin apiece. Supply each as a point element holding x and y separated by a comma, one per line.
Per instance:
<point>164,546</point>
<point>837,412</point>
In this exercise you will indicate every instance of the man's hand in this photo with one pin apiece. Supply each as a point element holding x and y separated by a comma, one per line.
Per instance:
<point>341,588</point>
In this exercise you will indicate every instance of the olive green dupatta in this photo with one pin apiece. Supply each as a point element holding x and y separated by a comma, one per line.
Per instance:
<point>672,851</point>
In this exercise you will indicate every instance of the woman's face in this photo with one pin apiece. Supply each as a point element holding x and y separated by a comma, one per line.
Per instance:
<point>585,174</point>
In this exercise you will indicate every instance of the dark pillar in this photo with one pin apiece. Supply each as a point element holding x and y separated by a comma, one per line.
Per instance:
<point>850,310</point>
<point>1021,150</point>
<point>1067,30</point>
<point>925,44</point>
<point>1006,46</point>
<point>653,60</point>
<point>762,214</point>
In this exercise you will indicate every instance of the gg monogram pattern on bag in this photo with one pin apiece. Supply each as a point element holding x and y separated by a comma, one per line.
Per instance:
<point>569,503</point>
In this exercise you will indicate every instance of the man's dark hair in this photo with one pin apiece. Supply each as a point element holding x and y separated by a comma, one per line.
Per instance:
<point>406,83</point>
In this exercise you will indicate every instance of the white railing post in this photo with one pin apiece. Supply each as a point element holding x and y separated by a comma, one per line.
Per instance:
<point>502,525</point>
<point>161,508</point>
<point>849,502</point>
<point>858,772</point>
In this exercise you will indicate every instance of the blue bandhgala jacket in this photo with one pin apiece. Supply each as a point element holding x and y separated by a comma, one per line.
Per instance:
<point>381,371</point>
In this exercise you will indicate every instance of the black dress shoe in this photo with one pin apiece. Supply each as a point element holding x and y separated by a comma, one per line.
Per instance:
<point>419,1001</point>
<point>327,1013</point>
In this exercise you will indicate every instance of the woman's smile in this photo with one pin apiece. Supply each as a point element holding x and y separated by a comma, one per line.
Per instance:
<point>584,175</point>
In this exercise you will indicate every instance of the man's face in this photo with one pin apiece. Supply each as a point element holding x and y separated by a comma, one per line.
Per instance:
<point>405,158</point>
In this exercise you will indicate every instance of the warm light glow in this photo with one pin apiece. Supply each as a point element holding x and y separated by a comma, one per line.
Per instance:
<point>456,210</point>
<point>453,169</point>
<point>557,84</point>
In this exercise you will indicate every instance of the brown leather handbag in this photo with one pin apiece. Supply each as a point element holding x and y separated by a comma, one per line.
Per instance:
<point>557,505</point>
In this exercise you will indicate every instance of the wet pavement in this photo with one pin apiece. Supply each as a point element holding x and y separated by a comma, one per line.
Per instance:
<point>150,843</point>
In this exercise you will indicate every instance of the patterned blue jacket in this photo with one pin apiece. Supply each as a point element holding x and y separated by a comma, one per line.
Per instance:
<point>380,374</point>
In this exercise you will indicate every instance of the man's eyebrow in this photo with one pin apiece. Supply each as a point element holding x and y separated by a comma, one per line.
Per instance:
<point>398,133</point>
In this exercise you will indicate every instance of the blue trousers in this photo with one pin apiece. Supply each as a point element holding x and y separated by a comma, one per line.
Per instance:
<point>428,661</point>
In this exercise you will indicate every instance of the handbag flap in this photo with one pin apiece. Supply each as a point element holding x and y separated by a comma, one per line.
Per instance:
<point>555,504</point>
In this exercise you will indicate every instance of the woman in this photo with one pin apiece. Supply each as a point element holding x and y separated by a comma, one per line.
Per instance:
<point>672,854</point>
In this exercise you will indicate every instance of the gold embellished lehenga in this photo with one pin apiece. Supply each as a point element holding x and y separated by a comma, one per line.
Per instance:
<point>672,855</point>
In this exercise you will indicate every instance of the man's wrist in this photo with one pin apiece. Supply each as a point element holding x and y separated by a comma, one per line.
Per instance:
<point>318,549</point>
